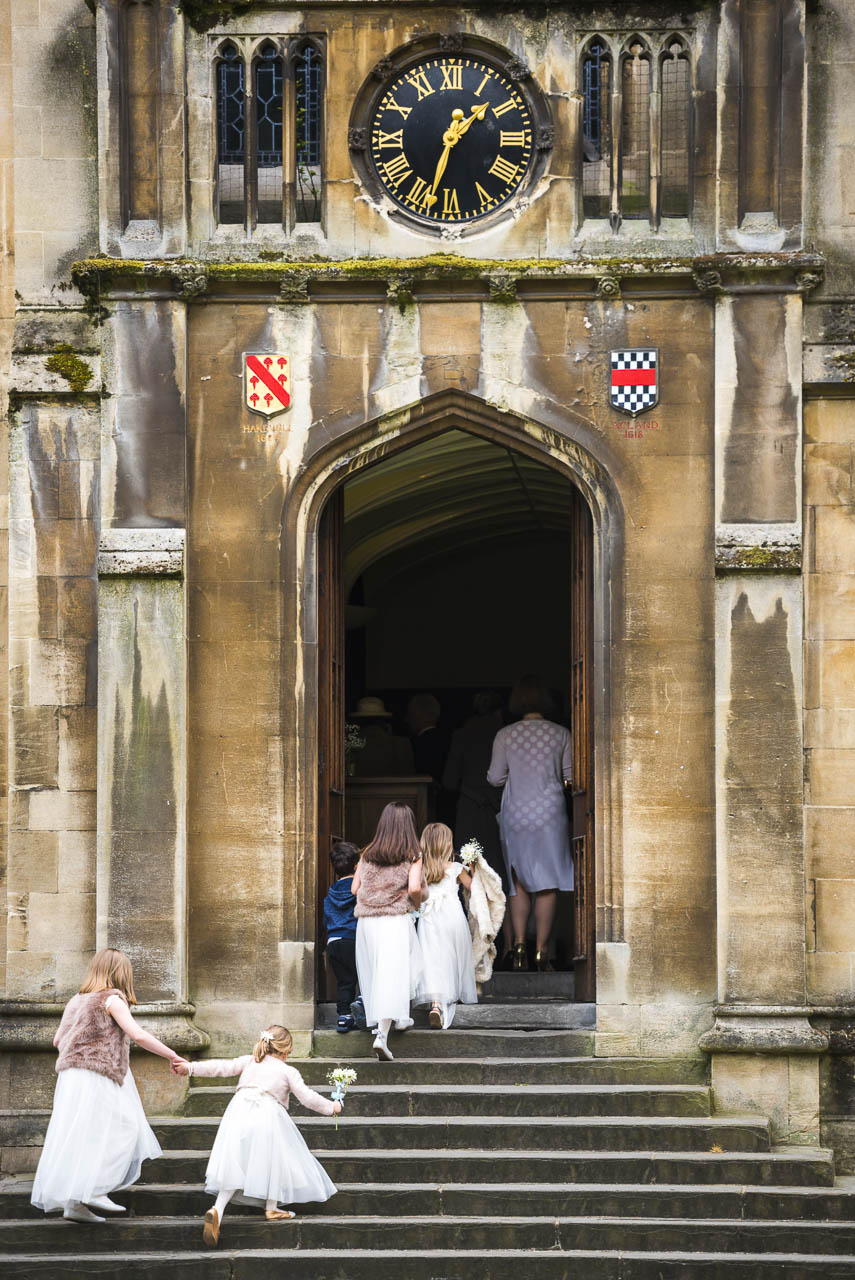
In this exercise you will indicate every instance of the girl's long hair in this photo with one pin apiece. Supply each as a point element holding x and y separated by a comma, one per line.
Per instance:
<point>110,970</point>
<point>395,840</point>
<point>437,850</point>
<point>276,1039</point>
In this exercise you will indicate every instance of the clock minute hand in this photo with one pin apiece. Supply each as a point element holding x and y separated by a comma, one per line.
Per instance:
<point>453,133</point>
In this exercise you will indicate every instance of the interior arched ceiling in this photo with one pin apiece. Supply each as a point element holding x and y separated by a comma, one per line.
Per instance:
<point>449,492</point>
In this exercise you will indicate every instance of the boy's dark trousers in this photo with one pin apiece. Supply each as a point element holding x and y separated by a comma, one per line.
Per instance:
<point>342,954</point>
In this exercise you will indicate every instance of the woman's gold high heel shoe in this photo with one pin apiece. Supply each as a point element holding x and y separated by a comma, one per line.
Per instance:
<point>520,957</point>
<point>541,961</point>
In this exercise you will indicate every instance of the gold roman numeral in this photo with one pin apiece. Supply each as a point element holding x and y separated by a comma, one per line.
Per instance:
<point>507,105</point>
<point>397,170</point>
<point>449,201</point>
<point>391,139</point>
<point>452,75</point>
<point>420,83</point>
<point>512,138</point>
<point>483,196</point>
<point>418,192</point>
<point>503,169</point>
<point>392,105</point>
<point>481,85</point>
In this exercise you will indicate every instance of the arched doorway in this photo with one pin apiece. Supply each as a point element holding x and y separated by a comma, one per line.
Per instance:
<point>451,566</point>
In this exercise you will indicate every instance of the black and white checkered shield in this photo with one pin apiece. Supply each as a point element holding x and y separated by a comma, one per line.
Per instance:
<point>634,380</point>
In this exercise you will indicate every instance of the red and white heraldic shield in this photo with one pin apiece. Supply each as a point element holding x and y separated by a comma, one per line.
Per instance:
<point>267,382</point>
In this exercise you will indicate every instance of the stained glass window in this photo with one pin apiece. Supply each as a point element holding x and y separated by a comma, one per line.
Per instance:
<point>596,133</point>
<point>675,133</point>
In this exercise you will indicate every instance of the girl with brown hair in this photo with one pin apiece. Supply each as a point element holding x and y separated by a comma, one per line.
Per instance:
<point>259,1155</point>
<point>98,1135</point>
<point>389,882</point>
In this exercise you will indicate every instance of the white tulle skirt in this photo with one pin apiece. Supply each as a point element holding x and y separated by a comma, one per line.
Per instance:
<point>96,1141</point>
<point>389,966</point>
<point>260,1154</point>
<point>448,967</point>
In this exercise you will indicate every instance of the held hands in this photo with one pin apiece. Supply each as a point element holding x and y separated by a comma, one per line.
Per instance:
<point>180,1066</point>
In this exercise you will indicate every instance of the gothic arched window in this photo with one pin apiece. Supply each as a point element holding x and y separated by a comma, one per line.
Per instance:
<point>636,130</point>
<point>308,157</point>
<point>269,80</point>
<point>231,136</point>
<point>596,131</point>
<point>676,129</point>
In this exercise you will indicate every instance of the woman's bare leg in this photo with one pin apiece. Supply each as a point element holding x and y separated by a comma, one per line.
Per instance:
<point>544,915</point>
<point>520,908</point>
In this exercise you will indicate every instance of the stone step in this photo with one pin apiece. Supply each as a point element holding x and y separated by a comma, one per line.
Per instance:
<point>424,1264</point>
<point>495,1100</point>
<point>833,1203</point>
<point>528,986</point>
<point>788,1166</point>
<point>466,1232</point>
<point>501,1070</point>
<point>531,1133</point>
<point>455,1043</point>
<point>494,1014</point>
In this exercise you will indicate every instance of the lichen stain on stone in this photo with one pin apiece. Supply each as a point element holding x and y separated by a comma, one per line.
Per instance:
<point>76,372</point>
<point>760,774</point>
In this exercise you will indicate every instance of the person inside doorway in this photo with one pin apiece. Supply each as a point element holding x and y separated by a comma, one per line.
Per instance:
<point>384,754</point>
<point>477,803</point>
<point>430,745</point>
<point>532,760</point>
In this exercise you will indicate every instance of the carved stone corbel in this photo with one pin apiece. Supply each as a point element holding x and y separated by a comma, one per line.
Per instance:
<point>294,287</point>
<point>191,280</point>
<point>400,291</point>
<point>502,288</point>
<point>608,287</point>
<point>357,138</point>
<point>517,69</point>
<point>708,281</point>
<point>383,69</point>
<point>451,42</point>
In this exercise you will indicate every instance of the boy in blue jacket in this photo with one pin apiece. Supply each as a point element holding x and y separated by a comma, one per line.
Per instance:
<point>340,924</point>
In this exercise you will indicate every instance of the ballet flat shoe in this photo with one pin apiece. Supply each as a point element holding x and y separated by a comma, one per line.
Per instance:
<point>435,1019</point>
<point>278,1215</point>
<point>106,1205</point>
<point>211,1229</point>
<point>382,1050</point>
<point>80,1213</point>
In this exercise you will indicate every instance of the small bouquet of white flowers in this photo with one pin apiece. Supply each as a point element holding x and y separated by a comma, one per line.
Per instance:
<point>470,854</point>
<point>341,1078</point>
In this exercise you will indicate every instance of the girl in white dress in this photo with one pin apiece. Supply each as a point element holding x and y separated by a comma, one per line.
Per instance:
<point>388,883</point>
<point>259,1155</point>
<point>448,967</point>
<point>98,1135</point>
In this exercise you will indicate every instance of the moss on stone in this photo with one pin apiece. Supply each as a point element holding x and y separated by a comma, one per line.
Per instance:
<point>68,365</point>
<point>758,559</point>
<point>845,363</point>
<point>204,14</point>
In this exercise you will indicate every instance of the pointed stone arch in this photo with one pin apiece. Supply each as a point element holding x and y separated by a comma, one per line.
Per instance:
<point>326,471</point>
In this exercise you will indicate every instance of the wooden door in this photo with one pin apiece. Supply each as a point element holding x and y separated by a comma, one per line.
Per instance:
<point>582,644</point>
<point>331,765</point>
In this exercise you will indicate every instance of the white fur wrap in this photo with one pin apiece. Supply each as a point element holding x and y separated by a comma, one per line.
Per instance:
<point>486,913</point>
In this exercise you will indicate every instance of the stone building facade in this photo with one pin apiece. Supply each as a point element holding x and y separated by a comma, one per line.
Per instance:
<point>181,187</point>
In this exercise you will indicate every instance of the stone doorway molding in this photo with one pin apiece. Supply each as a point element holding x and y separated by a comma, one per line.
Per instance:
<point>323,473</point>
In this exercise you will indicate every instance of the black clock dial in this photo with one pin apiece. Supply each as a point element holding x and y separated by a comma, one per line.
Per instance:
<point>451,140</point>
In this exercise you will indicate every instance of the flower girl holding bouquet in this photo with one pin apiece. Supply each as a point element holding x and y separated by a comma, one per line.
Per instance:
<point>388,883</point>
<point>98,1135</point>
<point>259,1155</point>
<point>448,967</point>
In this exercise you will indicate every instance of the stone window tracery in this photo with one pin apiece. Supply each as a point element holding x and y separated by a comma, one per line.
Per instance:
<point>269,132</point>
<point>636,128</point>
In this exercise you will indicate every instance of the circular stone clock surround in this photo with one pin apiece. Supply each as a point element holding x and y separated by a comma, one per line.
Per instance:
<point>450,132</point>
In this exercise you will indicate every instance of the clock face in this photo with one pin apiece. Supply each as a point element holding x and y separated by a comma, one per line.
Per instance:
<point>451,140</point>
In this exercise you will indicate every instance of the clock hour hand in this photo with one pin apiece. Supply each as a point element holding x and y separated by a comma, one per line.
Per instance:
<point>453,133</point>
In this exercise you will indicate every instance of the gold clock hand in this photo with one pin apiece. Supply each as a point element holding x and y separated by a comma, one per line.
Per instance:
<point>453,133</point>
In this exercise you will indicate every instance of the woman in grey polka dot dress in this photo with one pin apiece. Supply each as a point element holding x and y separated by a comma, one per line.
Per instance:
<point>532,760</point>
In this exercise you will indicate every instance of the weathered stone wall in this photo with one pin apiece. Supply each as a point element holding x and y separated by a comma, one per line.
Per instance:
<point>7,325</point>
<point>830,144</point>
<point>252,859</point>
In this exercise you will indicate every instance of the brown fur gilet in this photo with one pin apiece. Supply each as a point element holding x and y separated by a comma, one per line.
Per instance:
<point>88,1037</point>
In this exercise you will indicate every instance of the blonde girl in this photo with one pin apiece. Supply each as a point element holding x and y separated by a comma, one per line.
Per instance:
<point>448,967</point>
<point>98,1135</point>
<point>259,1155</point>
<point>387,884</point>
